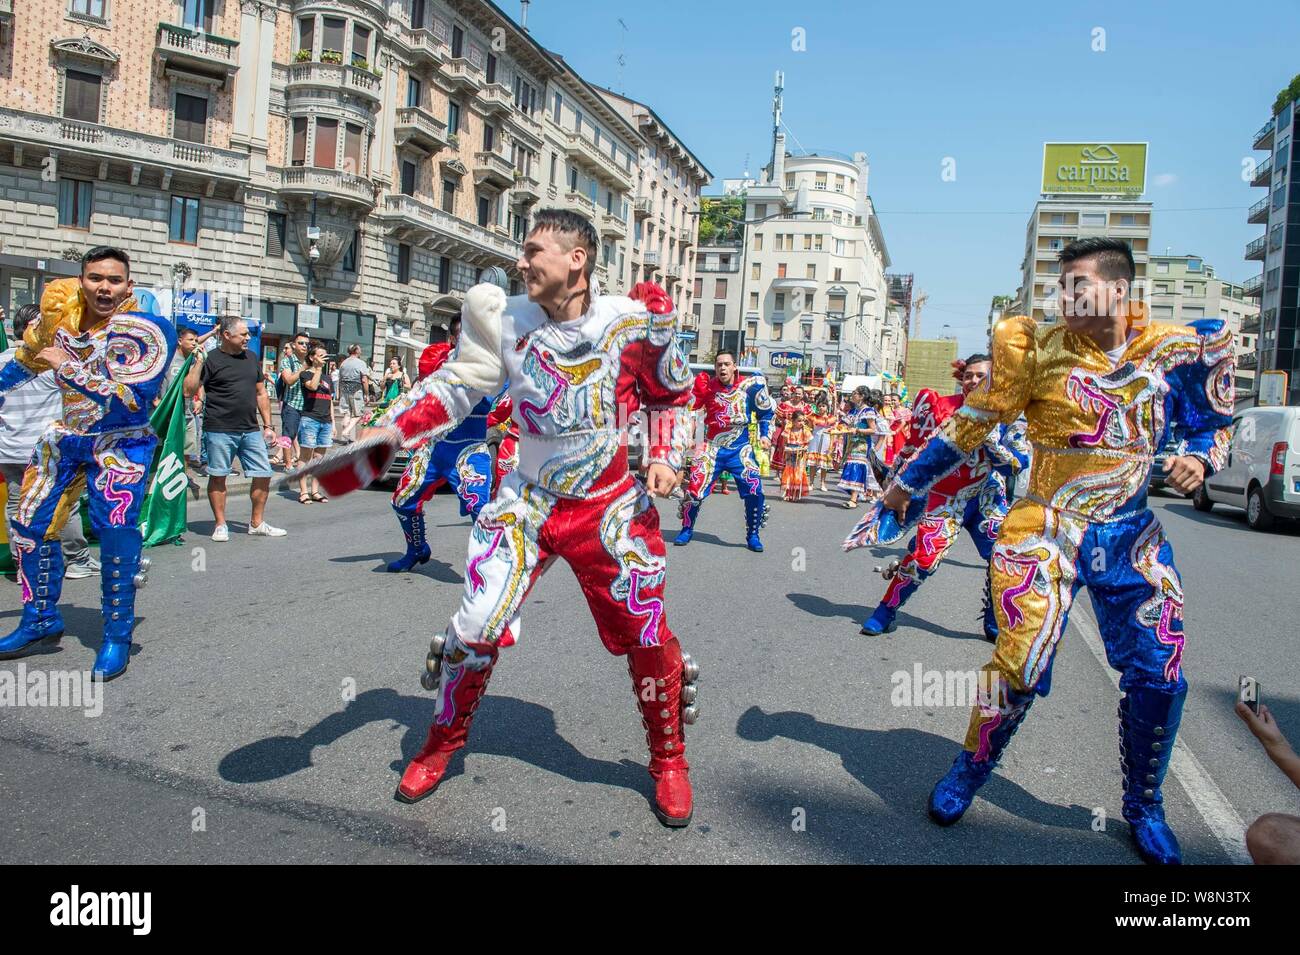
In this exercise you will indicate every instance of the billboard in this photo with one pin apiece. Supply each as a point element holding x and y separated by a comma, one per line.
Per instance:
<point>1272,389</point>
<point>1095,169</point>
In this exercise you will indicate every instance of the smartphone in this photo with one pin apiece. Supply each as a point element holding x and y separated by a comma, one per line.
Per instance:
<point>1248,692</point>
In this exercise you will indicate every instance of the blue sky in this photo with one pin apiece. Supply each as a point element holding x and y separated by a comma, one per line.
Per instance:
<point>983,83</point>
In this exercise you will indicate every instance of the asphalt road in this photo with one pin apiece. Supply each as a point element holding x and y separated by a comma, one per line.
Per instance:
<point>273,698</point>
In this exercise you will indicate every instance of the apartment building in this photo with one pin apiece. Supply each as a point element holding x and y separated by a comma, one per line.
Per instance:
<point>374,157</point>
<point>666,206</point>
<point>715,301</point>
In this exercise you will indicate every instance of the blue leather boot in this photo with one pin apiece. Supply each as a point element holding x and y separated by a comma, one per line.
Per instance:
<point>689,513</point>
<point>954,793</point>
<point>417,549</point>
<point>123,572</point>
<point>880,621</point>
<point>755,518</point>
<point>1148,725</point>
<point>42,574</point>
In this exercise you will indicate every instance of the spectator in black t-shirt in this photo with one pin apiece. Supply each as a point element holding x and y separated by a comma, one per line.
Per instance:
<point>316,427</point>
<point>231,377</point>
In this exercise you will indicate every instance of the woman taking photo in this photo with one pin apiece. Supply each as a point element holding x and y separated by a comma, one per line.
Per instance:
<point>316,430</point>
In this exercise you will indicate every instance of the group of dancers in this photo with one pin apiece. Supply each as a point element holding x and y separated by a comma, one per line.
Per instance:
<point>523,414</point>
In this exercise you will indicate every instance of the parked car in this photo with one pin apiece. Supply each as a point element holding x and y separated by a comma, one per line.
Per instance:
<point>1262,473</point>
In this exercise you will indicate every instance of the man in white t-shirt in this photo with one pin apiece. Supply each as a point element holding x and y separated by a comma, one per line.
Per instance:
<point>27,410</point>
<point>354,382</point>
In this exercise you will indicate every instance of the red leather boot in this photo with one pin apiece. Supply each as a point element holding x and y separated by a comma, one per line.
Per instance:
<point>461,690</point>
<point>666,696</point>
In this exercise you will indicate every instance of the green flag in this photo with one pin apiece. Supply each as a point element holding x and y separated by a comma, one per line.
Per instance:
<point>162,517</point>
<point>4,342</point>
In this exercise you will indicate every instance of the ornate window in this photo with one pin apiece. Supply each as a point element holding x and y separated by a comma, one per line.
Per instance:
<point>82,66</point>
<point>90,11</point>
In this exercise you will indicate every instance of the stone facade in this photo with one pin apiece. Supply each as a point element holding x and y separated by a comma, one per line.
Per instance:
<point>376,156</point>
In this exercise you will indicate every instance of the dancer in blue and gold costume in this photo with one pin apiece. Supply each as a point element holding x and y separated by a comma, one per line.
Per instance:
<point>110,354</point>
<point>1100,392</point>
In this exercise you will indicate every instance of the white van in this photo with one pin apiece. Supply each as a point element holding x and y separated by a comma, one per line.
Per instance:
<point>1262,473</point>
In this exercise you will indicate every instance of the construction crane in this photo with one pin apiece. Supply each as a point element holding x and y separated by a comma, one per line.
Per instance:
<point>918,302</point>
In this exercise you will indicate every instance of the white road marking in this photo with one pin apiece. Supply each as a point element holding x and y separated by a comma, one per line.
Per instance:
<point>1205,794</point>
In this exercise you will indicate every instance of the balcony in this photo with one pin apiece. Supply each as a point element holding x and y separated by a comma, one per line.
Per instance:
<point>1253,286</point>
<point>1264,138</point>
<point>334,77</point>
<point>585,152</point>
<point>463,75</point>
<point>641,206</point>
<point>421,129</point>
<point>1248,361</point>
<point>650,260</point>
<point>493,169</point>
<point>316,181</point>
<point>77,142</point>
<point>1250,323</point>
<point>194,51</point>
<point>527,189</point>
<point>1258,213</point>
<point>426,49</point>
<point>1255,249</point>
<point>1263,173</point>
<point>581,203</point>
<point>685,238</point>
<point>421,223</point>
<point>789,284</point>
<point>497,98</point>
<point>524,127</point>
<point>673,270</point>
<point>612,226</point>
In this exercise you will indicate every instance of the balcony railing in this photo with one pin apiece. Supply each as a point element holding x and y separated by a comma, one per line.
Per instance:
<point>1259,211</point>
<point>642,206</point>
<point>1250,323</point>
<point>494,169</point>
<point>463,74</point>
<point>527,189</point>
<point>1253,285</point>
<point>420,128</point>
<point>525,127</point>
<point>1255,249</point>
<point>650,260</point>
<point>1263,173</point>
<point>104,143</point>
<point>1264,138</point>
<point>425,221</point>
<point>426,48</point>
<point>332,183</point>
<point>613,226</point>
<point>497,98</point>
<point>195,50</point>
<point>333,76</point>
<point>583,202</point>
<point>1248,361</point>
<point>583,149</point>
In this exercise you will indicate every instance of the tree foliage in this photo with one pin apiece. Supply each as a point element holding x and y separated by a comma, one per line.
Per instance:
<point>715,213</point>
<point>1290,94</point>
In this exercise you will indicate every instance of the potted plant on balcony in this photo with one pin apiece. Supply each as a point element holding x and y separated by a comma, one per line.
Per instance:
<point>331,56</point>
<point>302,56</point>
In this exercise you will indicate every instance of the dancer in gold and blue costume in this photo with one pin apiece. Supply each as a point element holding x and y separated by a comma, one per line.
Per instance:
<point>110,352</point>
<point>1100,391</point>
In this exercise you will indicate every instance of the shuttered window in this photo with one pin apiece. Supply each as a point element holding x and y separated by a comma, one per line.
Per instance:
<point>327,143</point>
<point>352,139</point>
<point>81,93</point>
<point>299,142</point>
<point>275,228</point>
<point>191,118</point>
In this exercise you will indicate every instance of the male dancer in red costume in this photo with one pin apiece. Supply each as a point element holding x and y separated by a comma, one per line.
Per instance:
<point>577,365</point>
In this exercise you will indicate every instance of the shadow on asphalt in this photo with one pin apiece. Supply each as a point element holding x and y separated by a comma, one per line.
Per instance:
<point>698,538</point>
<point>872,757</point>
<point>1285,709</point>
<point>503,726</point>
<point>433,568</point>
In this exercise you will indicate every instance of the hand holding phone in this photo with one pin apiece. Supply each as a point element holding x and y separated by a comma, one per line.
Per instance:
<point>1248,692</point>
